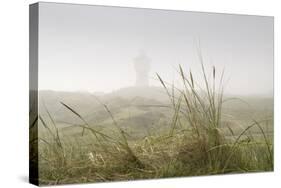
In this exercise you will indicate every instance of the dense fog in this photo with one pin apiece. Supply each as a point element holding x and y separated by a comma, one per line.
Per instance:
<point>102,49</point>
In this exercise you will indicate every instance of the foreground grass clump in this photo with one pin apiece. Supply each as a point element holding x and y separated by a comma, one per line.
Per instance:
<point>195,144</point>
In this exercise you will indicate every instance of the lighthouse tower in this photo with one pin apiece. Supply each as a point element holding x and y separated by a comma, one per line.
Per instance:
<point>142,67</point>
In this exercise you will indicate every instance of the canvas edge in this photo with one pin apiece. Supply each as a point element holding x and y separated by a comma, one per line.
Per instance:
<point>33,93</point>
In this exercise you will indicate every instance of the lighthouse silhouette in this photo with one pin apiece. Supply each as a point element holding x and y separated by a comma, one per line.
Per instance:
<point>142,68</point>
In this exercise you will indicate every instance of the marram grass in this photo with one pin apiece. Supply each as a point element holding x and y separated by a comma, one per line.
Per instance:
<point>195,143</point>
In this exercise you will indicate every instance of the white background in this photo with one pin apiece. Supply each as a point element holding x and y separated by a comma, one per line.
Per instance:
<point>14,91</point>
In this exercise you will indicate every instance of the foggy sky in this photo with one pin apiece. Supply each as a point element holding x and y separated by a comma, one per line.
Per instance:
<point>92,48</point>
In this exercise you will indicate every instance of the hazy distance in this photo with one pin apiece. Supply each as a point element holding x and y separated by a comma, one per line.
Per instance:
<point>94,48</point>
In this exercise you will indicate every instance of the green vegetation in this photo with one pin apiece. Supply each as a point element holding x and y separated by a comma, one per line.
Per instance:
<point>196,140</point>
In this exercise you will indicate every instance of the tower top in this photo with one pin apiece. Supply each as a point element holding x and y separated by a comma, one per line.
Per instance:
<point>142,67</point>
